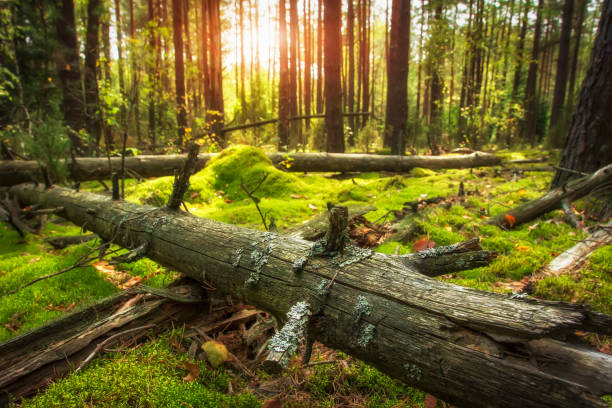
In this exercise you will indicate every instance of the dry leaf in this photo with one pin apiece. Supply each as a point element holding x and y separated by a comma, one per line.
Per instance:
<point>272,403</point>
<point>194,195</point>
<point>34,260</point>
<point>132,282</point>
<point>312,206</point>
<point>510,220</point>
<point>422,244</point>
<point>229,201</point>
<point>61,308</point>
<point>297,196</point>
<point>430,401</point>
<point>194,371</point>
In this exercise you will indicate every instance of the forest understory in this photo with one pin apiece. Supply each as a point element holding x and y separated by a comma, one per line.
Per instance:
<point>407,213</point>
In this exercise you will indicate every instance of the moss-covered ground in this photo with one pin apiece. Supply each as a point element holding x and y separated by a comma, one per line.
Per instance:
<point>152,374</point>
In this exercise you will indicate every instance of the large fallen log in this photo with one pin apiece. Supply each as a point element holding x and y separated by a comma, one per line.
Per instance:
<point>87,168</point>
<point>552,200</point>
<point>469,347</point>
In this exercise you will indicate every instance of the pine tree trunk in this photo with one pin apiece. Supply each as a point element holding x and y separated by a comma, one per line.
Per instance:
<point>135,75</point>
<point>562,72</point>
<point>92,54</point>
<point>119,32</point>
<point>215,113</point>
<point>179,71</point>
<point>284,84</point>
<point>350,34</point>
<point>69,69</point>
<point>333,68</point>
<point>530,102</point>
<point>397,77</point>
<point>320,57</point>
<point>589,145</point>
<point>582,4</point>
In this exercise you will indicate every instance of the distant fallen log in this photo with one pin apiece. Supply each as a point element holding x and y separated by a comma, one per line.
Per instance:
<point>571,261</point>
<point>31,360</point>
<point>469,347</point>
<point>552,200</point>
<point>87,168</point>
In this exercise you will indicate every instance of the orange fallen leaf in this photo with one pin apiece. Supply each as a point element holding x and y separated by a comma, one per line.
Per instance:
<point>194,371</point>
<point>132,282</point>
<point>194,195</point>
<point>430,401</point>
<point>510,220</point>
<point>216,353</point>
<point>34,260</point>
<point>272,403</point>
<point>298,196</point>
<point>229,201</point>
<point>422,244</point>
<point>523,248</point>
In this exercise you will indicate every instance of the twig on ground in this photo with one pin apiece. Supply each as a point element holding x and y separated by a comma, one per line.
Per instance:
<point>105,342</point>
<point>255,199</point>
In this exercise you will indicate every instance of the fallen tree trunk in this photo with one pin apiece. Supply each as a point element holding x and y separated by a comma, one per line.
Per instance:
<point>469,347</point>
<point>571,261</point>
<point>87,168</point>
<point>30,361</point>
<point>552,200</point>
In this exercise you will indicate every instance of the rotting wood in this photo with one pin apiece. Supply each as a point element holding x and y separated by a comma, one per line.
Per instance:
<point>181,181</point>
<point>317,227</point>
<point>448,259</point>
<point>31,360</point>
<point>552,200</point>
<point>468,347</point>
<point>87,168</point>
<point>571,261</point>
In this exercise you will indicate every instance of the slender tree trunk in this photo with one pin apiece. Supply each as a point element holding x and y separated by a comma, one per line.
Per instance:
<point>589,145</point>
<point>119,31</point>
<point>206,80</point>
<point>435,66</point>
<point>135,75</point>
<point>308,62</point>
<point>189,83</point>
<point>92,54</point>
<point>215,116</point>
<point>350,34</point>
<point>293,69</point>
<point>562,72</point>
<point>153,71</point>
<point>179,70</point>
<point>333,84</point>
<point>576,52</point>
<point>397,77</point>
<point>520,50</point>
<point>69,69</point>
<point>365,104</point>
<point>243,102</point>
<point>320,57</point>
<point>530,103</point>
<point>284,85</point>
<point>106,72</point>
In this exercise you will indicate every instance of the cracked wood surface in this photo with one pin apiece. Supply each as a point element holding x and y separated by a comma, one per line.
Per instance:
<point>468,347</point>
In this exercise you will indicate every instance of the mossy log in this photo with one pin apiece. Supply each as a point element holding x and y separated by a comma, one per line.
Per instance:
<point>468,347</point>
<point>87,168</point>
<point>30,361</point>
<point>552,200</point>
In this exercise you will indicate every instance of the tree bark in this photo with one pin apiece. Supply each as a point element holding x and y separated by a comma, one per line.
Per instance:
<point>562,72</point>
<point>284,83</point>
<point>92,54</point>
<point>69,68</point>
<point>215,117</point>
<point>589,145</point>
<point>396,129</point>
<point>465,346</point>
<point>552,200</point>
<point>179,71</point>
<point>530,101</point>
<point>88,168</point>
<point>333,81</point>
<point>350,49</point>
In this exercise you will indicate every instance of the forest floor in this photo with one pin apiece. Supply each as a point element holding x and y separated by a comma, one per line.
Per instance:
<point>155,373</point>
